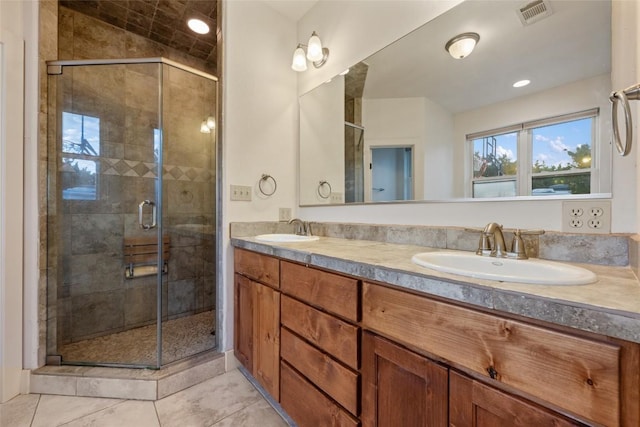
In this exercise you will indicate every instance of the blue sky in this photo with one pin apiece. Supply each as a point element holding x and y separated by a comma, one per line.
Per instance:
<point>550,143</point>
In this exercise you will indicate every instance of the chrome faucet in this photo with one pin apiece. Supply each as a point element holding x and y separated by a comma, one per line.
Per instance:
<point>493,229</point>
<point>302,228</point>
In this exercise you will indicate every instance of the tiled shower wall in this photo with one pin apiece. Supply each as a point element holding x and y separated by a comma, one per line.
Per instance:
<point>88,294</point>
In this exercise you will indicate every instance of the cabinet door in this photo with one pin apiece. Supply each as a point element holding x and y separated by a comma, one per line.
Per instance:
<point>473,404</point>
<point>401,388</point>
<point>266,338</point>
<point>243,321</point>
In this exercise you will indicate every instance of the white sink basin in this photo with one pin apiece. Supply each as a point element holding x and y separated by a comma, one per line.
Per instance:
<point>285,238</point>
<point>534,271</point>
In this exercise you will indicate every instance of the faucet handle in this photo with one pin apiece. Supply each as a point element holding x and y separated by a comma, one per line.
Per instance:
<point>517,245</point>
<point>484,245</point>
<point>518,249</point>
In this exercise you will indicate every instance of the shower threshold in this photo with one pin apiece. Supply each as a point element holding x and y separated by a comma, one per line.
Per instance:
<point>127,383</point>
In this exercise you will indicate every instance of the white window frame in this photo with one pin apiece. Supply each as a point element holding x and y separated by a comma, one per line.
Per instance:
<point>524,175</point>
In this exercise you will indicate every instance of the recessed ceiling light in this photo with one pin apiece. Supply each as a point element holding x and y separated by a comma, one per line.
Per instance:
<point>521,83</point>
<point>198,26</point>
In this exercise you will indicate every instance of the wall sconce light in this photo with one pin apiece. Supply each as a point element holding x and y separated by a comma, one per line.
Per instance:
<point>462,45</point>
<point>315,53</point>
<point>208,124</point>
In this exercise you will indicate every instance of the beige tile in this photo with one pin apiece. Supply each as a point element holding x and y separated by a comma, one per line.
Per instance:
<point>259,414</point>
<point>130,413</point>
<point>19,411</point>
<point>53,384</point>
<point>190,377</point>
<point>58,410</point>
<point>208,402</point>
<point>118,388</point>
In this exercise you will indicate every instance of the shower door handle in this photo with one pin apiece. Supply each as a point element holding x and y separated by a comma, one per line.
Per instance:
<point>153,215</point>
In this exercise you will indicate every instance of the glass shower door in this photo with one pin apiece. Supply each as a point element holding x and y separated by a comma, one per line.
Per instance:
<point>105,263</point>
<point>188,212</point>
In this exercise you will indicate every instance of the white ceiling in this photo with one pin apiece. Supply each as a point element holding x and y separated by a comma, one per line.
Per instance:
<point>292,9</point>
<point>570,45</point>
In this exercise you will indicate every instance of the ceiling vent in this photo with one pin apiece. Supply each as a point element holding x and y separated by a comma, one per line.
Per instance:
<point>534,11</point>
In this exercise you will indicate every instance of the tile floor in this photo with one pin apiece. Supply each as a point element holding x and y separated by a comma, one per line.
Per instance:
<point>223,401</point>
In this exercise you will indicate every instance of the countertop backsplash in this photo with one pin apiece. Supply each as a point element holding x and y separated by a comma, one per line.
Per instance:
<point>601,249</point>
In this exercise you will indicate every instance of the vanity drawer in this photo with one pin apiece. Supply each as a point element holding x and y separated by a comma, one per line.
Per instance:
<point>575,373</point>
<point>333,378</point>
<point>258,267</point>
<point>307,405</point>
<point>332,335</point>
<point>331,292</point>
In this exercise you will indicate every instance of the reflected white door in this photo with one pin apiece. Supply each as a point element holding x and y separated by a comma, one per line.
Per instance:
<point>391,173</point>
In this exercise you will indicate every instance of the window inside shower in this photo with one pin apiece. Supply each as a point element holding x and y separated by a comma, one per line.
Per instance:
<point>131,213</point>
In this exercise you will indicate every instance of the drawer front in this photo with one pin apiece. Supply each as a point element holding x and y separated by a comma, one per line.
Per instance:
<point>577,374</point>
<point>337,381</point>
<point>258,267</point>
<point>307,406</point>
<point>332,335</point>
<point>331,292</point>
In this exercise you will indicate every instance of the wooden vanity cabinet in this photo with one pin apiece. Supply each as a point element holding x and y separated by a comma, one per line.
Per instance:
<point>573,373</point>
<point>257,317</point>
<point>400,387</point>
<point>473,403</point>
<point>335,351</point>
<point>319,346</point>
<point>243,321</point>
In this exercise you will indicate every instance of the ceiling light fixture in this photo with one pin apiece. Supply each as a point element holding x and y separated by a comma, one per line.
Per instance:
<point>198,26</point>
<point>462,45</point>
<point>521,83</point>
<point>315,53</point>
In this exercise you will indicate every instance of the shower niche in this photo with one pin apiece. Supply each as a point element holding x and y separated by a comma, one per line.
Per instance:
<point>131,212</point>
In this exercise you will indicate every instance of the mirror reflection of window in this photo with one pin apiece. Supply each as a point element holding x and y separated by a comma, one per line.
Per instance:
<point>562,154</point>
<point>559,150</point>
<point>80,143</point>
<point>495,165</point>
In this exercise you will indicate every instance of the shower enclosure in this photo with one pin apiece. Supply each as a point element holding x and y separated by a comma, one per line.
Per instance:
<point>353,163</point>
<point>131,212</point>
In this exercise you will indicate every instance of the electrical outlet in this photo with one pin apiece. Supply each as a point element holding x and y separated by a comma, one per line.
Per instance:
<point>284,214</point>
<point>586,216</point>
<point>336,197</point>
<point>241,193</point>
<point>594,223</point>
<point>576,211</point>
<point>575,223</point>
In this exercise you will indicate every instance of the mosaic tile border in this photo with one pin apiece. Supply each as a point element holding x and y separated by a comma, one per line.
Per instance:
<point>140,169</point>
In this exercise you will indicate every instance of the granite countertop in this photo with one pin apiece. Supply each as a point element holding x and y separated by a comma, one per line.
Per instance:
<point>610,306</point>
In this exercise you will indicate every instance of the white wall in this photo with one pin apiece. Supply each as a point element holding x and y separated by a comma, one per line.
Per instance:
<point>395,122</point>
<point>260,126</point>
<point>322,126</point>
<point>17,19</point>
<point>354,30</point>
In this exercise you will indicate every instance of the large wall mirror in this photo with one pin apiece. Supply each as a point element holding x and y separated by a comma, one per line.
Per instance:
<point>411,122</point>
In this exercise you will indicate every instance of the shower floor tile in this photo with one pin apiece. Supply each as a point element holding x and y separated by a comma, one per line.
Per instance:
<point>181,338</point>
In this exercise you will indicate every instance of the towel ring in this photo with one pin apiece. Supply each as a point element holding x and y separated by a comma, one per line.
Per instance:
<point>264,179</point>
<point>321,186</point>
<point>623,96</point>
